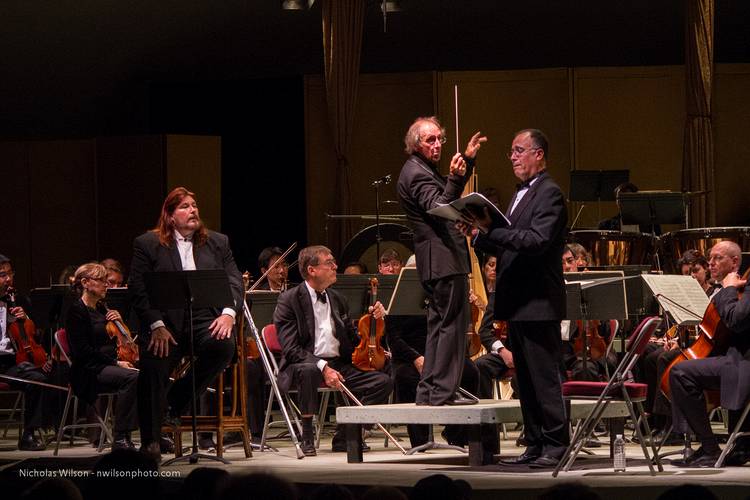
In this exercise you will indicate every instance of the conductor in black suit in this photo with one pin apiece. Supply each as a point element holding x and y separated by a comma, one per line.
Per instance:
<point>180,242</point>
<point>317,339</point>
<point>442,256</point>
<point>530,295</point>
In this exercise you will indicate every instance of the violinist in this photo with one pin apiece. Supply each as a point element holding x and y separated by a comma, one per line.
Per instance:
<point>724,372</point>
<point>115,273</point>
<point>406,337</point>
<point>35,396</point>
<point>499,359</point>
<point>317,339</point>
<point>96,367</point>
<point>277,279</point>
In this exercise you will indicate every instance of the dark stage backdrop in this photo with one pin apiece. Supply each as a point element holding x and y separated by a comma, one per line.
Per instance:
<point>261,125</point>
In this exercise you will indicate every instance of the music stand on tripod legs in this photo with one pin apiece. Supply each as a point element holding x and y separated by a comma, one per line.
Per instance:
<point>190,290</point>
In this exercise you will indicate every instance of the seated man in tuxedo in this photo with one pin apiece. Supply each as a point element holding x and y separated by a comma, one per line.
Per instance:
<point>317,339</point>
<point>726,372</point>
<point>35,395</point>
<point>180,242</point>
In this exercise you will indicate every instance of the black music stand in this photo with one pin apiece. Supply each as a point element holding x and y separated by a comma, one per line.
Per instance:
<point>262,304</point>
<point>409,297</point>
<point>595,185</point>
<point>356,289</point>
<point>600,296</point>
<point>189,290</point>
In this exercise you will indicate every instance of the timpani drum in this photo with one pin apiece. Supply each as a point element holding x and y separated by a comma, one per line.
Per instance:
<point>614,248</point>
<point>674,244</point>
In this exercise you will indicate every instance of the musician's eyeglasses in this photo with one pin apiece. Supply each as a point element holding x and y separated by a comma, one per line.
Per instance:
<point>5,275</point>
<point>433,139</point>
<point>328,263</point>
<point>518,151</point>
<point>392,264</point>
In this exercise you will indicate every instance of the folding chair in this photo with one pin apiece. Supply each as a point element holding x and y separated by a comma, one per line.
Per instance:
<point>736,433</point>
<point>14,413</point>
<point>616,389</point>
<point>273,347</point>
<point>61,339</point>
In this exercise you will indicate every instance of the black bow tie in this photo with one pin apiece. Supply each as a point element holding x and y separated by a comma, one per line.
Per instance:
<point>322,297</point>
<point>525,184</point>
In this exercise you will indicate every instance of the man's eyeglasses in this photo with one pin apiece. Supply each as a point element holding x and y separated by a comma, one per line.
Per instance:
<point>518,151</point>
<point>433,139</point>
<point>328,263</point>
<point>393,264</point>
<point>5,275</point>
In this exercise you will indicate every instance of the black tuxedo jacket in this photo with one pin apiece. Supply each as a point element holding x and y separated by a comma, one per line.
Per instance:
<point>295,326</point>
<point>530,284</point>
<point>150,255</point>
<point>735,374</point>
<point>439,247</point>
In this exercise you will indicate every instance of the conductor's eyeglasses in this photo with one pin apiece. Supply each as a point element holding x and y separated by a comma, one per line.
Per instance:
<point>434,138</point>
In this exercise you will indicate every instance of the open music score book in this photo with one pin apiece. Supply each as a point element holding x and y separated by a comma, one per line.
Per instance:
<point>684,290</point>
<point>472,203</point>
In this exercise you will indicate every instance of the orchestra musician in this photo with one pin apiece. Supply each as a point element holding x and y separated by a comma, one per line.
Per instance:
<point>355,268</point>
<point>317,338</point>
<point>115,272</point>
<point>35,396</point>
<point>406,337</point>
<point>96,367</point>
<point>277,279</point>
<point>530,295</point>
<point>180,242</point>
<point>726,372</point>
<point>442,255</point>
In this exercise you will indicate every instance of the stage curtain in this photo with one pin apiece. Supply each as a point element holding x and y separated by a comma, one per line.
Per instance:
<point>698,145</point>
<point>342,42</point>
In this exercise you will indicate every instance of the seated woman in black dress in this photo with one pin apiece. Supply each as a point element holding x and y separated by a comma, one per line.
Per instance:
<point>95,366</point>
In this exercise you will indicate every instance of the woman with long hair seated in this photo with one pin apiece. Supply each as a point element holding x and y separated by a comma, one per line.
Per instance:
<point>93,352</point>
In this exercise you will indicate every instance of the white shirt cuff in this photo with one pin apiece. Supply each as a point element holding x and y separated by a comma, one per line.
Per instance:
<point>497,345</point>
<point>321,364</point>
<point>157,324</point>
<point>230,312</point>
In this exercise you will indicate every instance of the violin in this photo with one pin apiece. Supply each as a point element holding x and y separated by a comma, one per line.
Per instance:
<point>369,355</point>
<point>127,349</point>
<point>597,346</point>
<point>712,339</point>
<point>23,334</point>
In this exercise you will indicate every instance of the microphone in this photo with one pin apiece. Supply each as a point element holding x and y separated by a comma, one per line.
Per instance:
<point>386,179</point>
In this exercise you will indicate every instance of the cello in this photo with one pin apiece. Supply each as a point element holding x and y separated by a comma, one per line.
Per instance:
<point>127,349</point>
<point>712,339</point>
<point>369,355</point>
<point>23,332</point>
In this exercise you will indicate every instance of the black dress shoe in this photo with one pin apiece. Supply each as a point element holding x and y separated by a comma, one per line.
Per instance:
<point>123,443</point>
<point>308,448</point>
<point>522,459</point>
<point>166,444</point>
<point>153,451</point>
<point>206,443</point>
<point>737,457</point>
<point>460,400</point>
<point>29,442</point>
<point>545,461</point>
<point>699,459</point>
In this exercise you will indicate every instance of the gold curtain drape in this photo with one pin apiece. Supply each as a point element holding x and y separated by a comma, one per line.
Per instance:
<point>342,42</point>
<point>698,144</point>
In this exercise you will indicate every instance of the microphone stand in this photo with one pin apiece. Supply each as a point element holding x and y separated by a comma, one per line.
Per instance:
<point>378,238</point>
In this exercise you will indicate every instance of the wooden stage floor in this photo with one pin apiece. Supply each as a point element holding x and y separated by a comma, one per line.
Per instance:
<point>388,466</point>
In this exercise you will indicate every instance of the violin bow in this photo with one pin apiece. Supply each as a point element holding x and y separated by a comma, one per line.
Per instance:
<point>270,268</point>
<point>356,401</point>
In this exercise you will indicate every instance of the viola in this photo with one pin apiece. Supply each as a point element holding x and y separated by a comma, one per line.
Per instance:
<point>712,339</point>
<point>369,355</point>
<point>23,334</point>
<point>597,346</point>
<point>127,349</point>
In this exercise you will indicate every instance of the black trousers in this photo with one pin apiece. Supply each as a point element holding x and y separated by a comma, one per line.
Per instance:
<point>213,356</point>
<point>36,398</point>
<point>369,387</point>
<point>537,355</point>
<point>255,376</point>
<point>688,380</point>
<point>491,367</point>
<point>445,348</point>
<point>405,381</point>
<point>124,382</point>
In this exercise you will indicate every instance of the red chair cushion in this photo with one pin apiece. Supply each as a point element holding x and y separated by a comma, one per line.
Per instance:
<point>579,388</point>
<point>4,386</point>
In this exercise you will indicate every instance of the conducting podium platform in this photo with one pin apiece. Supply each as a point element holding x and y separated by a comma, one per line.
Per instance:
<point>486,412</point>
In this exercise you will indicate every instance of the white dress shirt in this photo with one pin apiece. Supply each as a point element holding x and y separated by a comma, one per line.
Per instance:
<point>521,193</point>
<point>326,343</point>
<point>5,345</point>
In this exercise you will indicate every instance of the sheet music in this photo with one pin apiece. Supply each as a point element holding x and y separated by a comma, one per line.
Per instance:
<point>684,290</point>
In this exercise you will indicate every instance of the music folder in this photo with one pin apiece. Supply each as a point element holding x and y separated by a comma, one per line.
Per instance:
<point>471,204</point>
